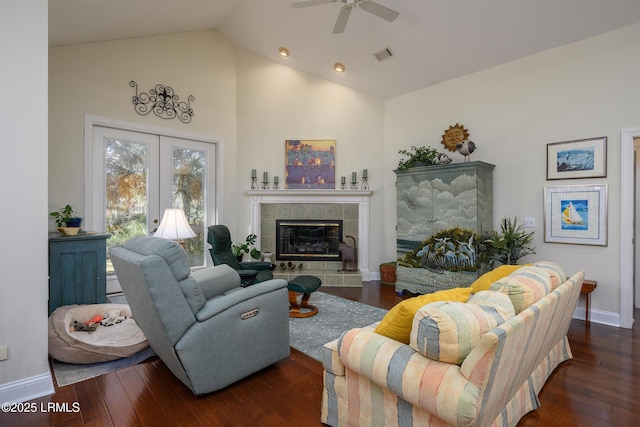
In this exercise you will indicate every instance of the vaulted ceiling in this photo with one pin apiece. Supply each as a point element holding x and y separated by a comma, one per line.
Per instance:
<point>431,40</point>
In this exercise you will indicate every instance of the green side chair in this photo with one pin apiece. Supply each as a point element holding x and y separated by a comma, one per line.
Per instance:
<point>250,272</point>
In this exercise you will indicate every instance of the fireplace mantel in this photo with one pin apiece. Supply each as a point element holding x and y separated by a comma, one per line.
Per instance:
<point>358,197</point>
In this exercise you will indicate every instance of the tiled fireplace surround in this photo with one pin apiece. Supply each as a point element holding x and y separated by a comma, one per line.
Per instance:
<point>351,206</point>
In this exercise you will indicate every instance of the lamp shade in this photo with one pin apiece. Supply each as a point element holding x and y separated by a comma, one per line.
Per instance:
<point>174,226</point>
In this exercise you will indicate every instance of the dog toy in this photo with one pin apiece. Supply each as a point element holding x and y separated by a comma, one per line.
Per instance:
<point>89,326</point>
<point>112,318</point>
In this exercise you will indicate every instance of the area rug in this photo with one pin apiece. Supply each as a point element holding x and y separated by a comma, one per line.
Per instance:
<point>68,373</point>
<point>335,315</point>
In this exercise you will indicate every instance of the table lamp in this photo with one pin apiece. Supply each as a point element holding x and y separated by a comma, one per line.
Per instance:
<point>174,226</point>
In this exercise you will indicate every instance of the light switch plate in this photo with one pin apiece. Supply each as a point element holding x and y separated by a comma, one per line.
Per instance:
<point>530,222</point>
<point>4,350</point>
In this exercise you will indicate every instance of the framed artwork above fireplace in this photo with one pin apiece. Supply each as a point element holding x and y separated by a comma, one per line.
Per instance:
<point>310,164</point>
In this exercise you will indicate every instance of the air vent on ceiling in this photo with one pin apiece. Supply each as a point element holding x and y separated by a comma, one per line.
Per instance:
<point>383,54</point>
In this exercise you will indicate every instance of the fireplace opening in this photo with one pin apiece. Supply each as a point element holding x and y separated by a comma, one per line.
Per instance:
<point>308,240</point>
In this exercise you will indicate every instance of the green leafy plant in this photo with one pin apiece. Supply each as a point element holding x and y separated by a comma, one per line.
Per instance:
<point>239,249</point>
<point>63,215</point>
<point>424,156</point>
<point>510,244</point>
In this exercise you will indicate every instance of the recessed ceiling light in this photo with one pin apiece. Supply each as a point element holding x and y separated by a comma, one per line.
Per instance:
<point>284,51</point>
<point>339,67</point>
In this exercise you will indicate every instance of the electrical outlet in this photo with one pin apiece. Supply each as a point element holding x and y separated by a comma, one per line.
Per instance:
<point>530,222</point>
<point>4,350</point>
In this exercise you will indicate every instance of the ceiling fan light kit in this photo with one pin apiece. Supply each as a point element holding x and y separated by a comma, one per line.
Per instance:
<point>368,5</point>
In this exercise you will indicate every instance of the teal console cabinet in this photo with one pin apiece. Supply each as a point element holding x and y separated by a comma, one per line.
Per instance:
<point>77,269</point>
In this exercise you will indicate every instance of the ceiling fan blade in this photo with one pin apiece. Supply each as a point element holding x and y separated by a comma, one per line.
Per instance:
<point>307,3</point>
<point>343,17</point>
<point>380,11</point>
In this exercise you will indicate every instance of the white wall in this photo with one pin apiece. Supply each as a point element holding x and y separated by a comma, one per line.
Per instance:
<point>582,90</point>
<point>94,79</point>
<point>276,103</point>
<point>23,172</point>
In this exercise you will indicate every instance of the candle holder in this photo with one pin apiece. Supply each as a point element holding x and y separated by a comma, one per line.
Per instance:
<point>354,185</point>
<point>365,183</point>
<point>254,180</point>
<point>265,185</point>
<point>343,183</point>
<point>276,183</point>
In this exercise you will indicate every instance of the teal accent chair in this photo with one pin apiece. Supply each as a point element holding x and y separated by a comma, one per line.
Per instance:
<point>208,329</point>
<point>250,272</point>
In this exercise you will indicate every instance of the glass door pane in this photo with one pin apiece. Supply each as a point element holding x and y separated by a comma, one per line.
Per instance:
<point>127,203</point>
<point>126,190</point>
<point>190,162</point>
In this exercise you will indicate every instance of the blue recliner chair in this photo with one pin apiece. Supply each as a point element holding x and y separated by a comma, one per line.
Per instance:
<point>250,272</point>
<point>208,329</point>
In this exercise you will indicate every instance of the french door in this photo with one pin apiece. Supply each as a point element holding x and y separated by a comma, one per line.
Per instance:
<point>136,175</point>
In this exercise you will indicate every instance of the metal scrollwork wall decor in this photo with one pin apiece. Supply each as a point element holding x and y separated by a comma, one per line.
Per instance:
<point>163,102</point>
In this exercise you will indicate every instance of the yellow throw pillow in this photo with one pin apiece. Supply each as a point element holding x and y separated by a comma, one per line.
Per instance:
<point>396,324</point>
<point>484,282</point>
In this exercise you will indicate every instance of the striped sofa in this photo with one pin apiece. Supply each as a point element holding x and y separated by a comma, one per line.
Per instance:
<point>372,380</point>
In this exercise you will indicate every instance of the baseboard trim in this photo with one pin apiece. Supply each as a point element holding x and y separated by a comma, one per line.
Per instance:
<point>373,275</point>
<point>598,316</point>
<point>27,388</point>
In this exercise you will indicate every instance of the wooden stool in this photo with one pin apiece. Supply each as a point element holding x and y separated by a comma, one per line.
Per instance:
<point>304,285</point>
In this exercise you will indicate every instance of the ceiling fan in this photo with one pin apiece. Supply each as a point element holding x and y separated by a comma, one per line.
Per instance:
<point>368,5</point>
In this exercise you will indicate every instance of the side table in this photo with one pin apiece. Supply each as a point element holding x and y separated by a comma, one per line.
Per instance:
<point>77,269</point>
<point>588,286</point>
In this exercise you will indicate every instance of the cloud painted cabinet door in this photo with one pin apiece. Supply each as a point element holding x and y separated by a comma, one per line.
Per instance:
<point>433,201</point>
<point>77,270</point>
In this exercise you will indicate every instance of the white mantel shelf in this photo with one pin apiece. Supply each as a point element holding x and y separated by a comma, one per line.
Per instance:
<point>313,193</point>
<point>359,197</point>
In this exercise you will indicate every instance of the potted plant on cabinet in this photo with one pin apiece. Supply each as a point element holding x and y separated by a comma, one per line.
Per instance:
<point>418,156</point>
<point>65,218</point>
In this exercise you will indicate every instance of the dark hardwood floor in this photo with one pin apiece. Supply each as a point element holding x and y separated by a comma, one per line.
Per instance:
<point>599,387</point>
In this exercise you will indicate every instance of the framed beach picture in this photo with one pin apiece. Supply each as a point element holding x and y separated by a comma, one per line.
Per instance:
<point>310,164</point>
<point>584,158</point>
<point>576,214</point>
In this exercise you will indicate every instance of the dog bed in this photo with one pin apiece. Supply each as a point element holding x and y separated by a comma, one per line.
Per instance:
<point>106,343</point>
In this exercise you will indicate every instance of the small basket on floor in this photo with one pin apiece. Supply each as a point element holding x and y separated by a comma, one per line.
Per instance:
<point>304,285</point>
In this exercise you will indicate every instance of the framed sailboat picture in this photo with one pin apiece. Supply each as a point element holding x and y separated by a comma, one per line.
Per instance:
<point>584,158</point>
<point>576,214</point>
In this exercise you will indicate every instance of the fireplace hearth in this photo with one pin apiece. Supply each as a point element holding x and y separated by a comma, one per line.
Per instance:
<point>308,240</point>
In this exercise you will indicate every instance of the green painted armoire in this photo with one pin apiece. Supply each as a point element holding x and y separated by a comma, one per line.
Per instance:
<point>436,205</point>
